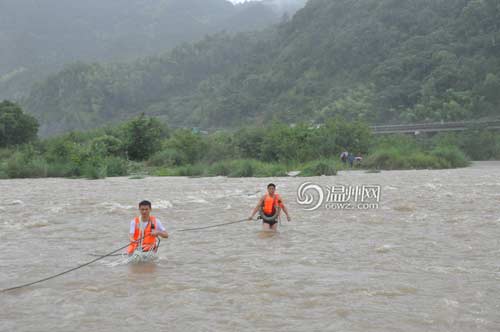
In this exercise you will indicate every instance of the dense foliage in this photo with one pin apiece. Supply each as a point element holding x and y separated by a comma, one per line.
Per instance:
<point>39,37</point>
<point>372,60</point>
<point>16,127</point>
<point>144,145</point>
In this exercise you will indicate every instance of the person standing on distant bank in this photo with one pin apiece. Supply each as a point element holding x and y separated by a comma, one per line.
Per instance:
<point>270,206</point>
<point>343,156</point>
<point>350,159</point>
<point>144,230</point>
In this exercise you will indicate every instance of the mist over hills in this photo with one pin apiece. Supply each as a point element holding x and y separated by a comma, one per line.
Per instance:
<point>39,37</point>
<point>374,60</point>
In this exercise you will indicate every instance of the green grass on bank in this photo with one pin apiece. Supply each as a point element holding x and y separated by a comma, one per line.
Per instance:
<point>18,166</point>
<point>401,158</point>
<point>242,154</point>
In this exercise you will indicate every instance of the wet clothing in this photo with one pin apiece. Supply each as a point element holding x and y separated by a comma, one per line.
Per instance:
<point>270,222</point>
<point>269,208</point>
<point>143,224</point>
<point>141,231</point>
<point>270,203</point>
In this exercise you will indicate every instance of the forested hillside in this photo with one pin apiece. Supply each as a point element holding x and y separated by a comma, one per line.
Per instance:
<point>38,37</point>
<point>374,60</point>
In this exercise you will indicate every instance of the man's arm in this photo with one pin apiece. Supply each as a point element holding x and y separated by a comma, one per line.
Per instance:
<point>257,208</point>
<point>283,207</point>
<point>160,231</point>
<point>162,234</point>
<point>131,231</point>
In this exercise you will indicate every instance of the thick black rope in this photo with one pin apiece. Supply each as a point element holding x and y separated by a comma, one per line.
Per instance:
<point>107,255</point>
<point>64,272</point>
<point>211,226</point>
<point>188,230</point>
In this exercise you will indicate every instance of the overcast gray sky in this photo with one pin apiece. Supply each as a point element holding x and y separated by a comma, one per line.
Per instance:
<point>236,1</point>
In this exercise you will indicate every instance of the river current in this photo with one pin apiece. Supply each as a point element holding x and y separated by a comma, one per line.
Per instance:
<point>425,259</point>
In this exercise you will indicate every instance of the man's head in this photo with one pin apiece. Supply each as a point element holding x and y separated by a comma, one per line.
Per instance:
<point>271,188</point>
<point>145,209</point>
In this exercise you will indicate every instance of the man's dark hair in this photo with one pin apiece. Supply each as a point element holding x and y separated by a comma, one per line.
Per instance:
<point>146,203</point>
<point>271,185</point>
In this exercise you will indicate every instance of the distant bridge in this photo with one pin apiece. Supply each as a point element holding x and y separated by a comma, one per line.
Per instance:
<point>436,127</point>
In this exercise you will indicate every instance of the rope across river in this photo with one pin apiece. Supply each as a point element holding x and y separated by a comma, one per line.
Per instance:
<point>110,254</point>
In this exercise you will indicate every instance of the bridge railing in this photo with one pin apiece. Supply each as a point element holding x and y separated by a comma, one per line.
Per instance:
<point>437,126</point>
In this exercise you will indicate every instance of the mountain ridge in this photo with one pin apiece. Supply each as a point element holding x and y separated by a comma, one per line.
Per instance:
<point>382,61</point>
<point>37,38</point>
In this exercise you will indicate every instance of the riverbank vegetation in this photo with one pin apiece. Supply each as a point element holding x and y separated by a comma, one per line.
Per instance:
<point>146,146</point>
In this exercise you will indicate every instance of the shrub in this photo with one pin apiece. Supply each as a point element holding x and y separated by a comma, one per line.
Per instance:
<point>19,165</point>
<point>94,167</point>
<point>58,169</point>
<point>167,157</point>
<point>221,168</point>
<point>107,145</point>
<point>401,158</point>
<point>243,168</point>
<point>386,159</point>
<point>452,155</point>
<point>420,160</point>
<point>318,168</point>
<point>116,166</point>
<point>270,170</point>
<point>142,137</point>
<point>189,170</point>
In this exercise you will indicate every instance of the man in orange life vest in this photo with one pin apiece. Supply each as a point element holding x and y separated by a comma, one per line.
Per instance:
<point>270,206</point>
<point>145,229</point>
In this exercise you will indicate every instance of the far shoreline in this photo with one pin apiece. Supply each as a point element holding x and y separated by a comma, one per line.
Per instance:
<point>477,164</point>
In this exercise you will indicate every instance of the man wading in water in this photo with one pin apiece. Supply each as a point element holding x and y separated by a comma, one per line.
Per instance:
<point>270,206</point>
<point>145,229</point>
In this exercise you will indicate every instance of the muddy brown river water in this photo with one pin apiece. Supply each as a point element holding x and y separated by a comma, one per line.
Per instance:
<point>425,259</point>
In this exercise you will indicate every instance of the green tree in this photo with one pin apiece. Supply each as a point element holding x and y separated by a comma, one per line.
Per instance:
<point>491,86</point>
<point>189,144</point>
<point>16,127</point>
<point>378,61</point>
<point>142,137</point>
<point>248,142</point>
<point>353,136</point>
<point>107,145</point>
<point>220,146</point>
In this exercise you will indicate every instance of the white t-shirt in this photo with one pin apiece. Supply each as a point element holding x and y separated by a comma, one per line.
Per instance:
<point>143,224</point>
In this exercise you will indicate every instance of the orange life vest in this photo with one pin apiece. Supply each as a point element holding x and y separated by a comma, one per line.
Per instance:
<point>270,203</point>
<point>148,241</point>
